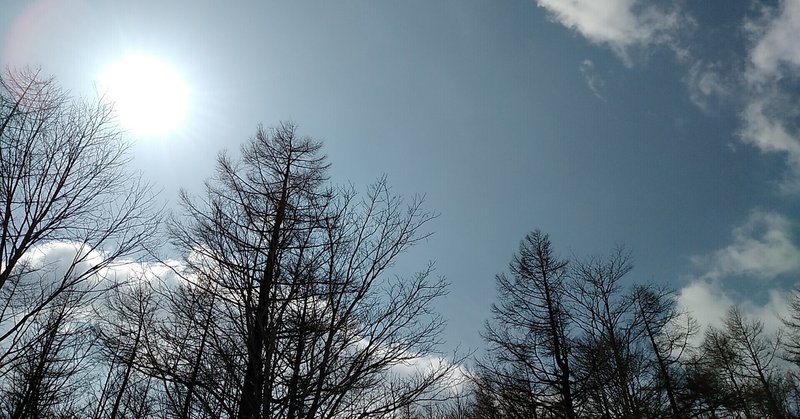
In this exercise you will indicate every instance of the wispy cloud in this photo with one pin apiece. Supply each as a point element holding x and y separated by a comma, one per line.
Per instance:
<point>762,248</point>
<point>593,81</point>
<point>768,114</point>
<point>766,124</point>
<point>619,24</point>
<point>769,120</point>
<point>775,48</point>
<point>707,85</point>
<point>759,86</point>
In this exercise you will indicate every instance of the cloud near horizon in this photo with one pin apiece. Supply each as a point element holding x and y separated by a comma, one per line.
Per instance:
<point>709,303</point>
<point>762,248</point>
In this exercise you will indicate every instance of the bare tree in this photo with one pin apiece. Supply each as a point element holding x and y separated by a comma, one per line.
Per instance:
<point>667,331</point>
<point>70,211</point>
<point>529,336</point>
<point>193,349</point>
<point>716,378</point>
<point>507,393</point>
<point>757,354</point>
<point>792,324</point>
<point>124,322</point>
<point>610,339</point>
<point>69,207</point>
<point>628,353</point>
<point>300,271</point>
<point>736,371</point>
<point>51,376</point>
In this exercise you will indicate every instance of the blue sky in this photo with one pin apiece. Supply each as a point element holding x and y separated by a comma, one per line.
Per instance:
<point>670,127</point>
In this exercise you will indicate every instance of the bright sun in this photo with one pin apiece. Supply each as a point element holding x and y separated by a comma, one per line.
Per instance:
<point>148,95</point>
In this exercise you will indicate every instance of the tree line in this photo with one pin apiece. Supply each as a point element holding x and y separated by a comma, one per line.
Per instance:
<point>569,339</point>
<point>279,299</point>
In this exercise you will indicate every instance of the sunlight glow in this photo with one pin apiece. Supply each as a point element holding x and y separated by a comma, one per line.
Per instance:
<point>148,95</point>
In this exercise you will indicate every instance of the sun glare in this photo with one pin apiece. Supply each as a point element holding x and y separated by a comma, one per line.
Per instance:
<point>149,96</point>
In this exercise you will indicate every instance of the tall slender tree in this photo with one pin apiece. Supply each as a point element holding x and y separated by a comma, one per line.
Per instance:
<point>667,332</point>
<point>529,335</point>
<point>757,353</point>
<point>301,267</point>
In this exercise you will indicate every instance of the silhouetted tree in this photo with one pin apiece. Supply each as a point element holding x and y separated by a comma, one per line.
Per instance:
<point>628,354</point>
<point>70,210</point>
<point>49,378</point>
<point>124,323</point>
<point>530,351</point>
<point>719,376</point>
<point>667,331</point>
<point>756,354</point>
<point>792,324</point>
<point>299,268</point>
<point>189,350</point>
<point>610,339</point>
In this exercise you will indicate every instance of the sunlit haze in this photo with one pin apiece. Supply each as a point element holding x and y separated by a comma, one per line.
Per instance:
<point>148,95</point>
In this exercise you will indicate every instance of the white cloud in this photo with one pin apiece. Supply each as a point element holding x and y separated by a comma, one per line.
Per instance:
<point>771,313</point>
<point>59,263</point>
<point>706,301</point>
<point>453,380</point>
<point>765,126</point>
<point>706,84</point>
<point>769,118</point>
<point>776,49</point>
<point>58,259</point>
<point>593,81</point>
<point>762,248</point>
<point>765,131</point>
<point>619,24</point>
